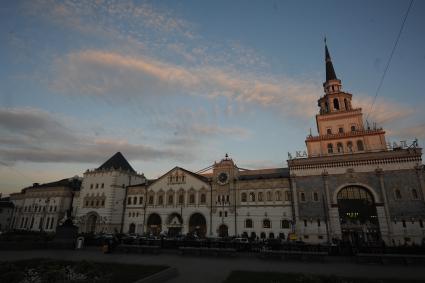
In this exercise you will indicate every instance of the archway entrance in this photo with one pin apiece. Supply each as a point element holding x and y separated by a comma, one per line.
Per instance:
<point>175,224</point>
<point>223,231</point>
<point>91,223</point>
<point>357,214</point>
<point>198,225</point>
<point>154,224</point>
<point>132,228</point>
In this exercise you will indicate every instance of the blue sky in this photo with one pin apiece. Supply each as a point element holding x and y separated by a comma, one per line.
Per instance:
<point>181,83</point>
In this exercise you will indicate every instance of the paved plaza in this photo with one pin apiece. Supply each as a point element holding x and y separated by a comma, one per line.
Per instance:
<point>213,269</point>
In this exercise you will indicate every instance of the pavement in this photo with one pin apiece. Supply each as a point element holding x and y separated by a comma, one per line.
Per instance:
<point>210,269</point>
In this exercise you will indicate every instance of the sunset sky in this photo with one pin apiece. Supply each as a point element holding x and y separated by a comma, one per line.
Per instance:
<point>182,83</point>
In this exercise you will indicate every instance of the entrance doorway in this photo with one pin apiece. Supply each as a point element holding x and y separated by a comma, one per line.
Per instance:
<point>132,228</point>
<point>198,225</point>
<point>175,225</point>
<point>223,231</point>
<point>357,214</point>
<point>91,223</point>
<point>154,224</point>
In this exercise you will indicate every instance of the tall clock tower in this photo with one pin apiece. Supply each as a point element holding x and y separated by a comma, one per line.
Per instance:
<point>225,174</point>
<point>339,123</point>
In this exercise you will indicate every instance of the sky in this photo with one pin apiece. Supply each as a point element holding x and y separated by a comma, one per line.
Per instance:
<point>182,83</point>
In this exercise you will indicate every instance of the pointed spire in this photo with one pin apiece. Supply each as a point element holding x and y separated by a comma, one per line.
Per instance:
<point>330,71</point>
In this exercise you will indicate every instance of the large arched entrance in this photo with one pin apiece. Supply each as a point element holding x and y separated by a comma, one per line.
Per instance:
<point>175,224</point>
<point>357,214</point>
<point>91,223</point>
<point>198,224</point>
<point>154,224</point>
<point>223,230</point>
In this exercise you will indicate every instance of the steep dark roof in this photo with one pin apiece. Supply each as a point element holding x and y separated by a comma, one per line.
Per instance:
<point>117,161</point>
<point>73,183</point>
<point>273,173</point>
<point>330,71</point>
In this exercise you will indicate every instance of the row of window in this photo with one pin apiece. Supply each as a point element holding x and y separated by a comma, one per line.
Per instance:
<point>349,147</point>
<point>267,224</point>
<point>170,199</point>
<point>403,222</point>
<point>251,197</point>
<point>340,130</point>
<point>52,208</point>
<point>399,196</point>
<point>46,226</point>
<point>94,202</point>
<point>176,179</point>
<point>314,196</point>
<point>102,185</point>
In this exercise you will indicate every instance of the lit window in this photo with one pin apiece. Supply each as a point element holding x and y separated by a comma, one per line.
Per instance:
<point>251,197</point>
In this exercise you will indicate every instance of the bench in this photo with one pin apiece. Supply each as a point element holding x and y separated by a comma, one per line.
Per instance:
<point>140,249</point>
<point>207,251</point>
<point>298,255</point>
<point>389,258</point>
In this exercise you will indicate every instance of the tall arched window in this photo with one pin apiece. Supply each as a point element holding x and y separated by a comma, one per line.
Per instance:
<point>269,196</point>
<point>278,195</point>
<point>267,223</point>
<point>360,146</point>
<point>350,146</point>
<point>170,199</point>
<point>203,198</point>
<point>251,197</point>
<point>181,198</point>
<point>248,223</point>
<point>192,198</point>
<point>243,197</point>
<point>336,104</point>
<point>260,196</point>
<point>339,147</point>
<point>330,148</point>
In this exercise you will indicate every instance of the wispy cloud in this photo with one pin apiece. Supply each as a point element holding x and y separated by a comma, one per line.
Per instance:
<point>96,72</point>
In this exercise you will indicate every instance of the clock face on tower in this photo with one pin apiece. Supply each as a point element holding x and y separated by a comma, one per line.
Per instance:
<point>223,178</point>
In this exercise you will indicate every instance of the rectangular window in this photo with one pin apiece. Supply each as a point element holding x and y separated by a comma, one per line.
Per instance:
<point>318,222</point>
<point>315,196</point>
<point>220,213</point>
<point>288,196</point>
<point>305,223</point>
<point>302,196</point>
<point>140,200</point>
<point>225,214</point>
<point>129,200</point>
<point>150,199</point>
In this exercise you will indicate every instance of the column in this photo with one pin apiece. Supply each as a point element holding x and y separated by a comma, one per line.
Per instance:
<point>384,215</point>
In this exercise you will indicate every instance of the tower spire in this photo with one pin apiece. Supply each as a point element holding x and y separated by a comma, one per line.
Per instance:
<point>330,71</point>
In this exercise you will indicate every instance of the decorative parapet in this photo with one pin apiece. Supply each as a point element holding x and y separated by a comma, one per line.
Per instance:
<point>359,159</point>
<point>352,134</point>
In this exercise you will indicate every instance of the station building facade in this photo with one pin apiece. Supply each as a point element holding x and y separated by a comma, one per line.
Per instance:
<point>349,186</point>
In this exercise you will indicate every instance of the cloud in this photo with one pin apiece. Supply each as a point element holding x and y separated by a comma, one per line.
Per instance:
<point>29,134</point>
<point>417,131</point>
<point>96,72</point>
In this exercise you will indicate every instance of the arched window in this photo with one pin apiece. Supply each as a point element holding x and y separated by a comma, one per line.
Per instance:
<point>170,199</point>
<point>134,200</point>
<point>150,199</point>
<point>302,196</point>
<point>129,200</point>
<point>181,198</point>
<point>360,146</point>
<point>248,223</point>
<point>271,235</point>
<point>278,196</point>
<point>269,196</point>
<point>285,224</point>
<point>251,197</point>
<point>260,196</point>
<point>315,196</point>
<point>346,104</point>
<point>243,197</point>
<point>140,200</point>
<point>330,148</point>
<point>263,235</point>
<point>288,196</point>
<point>339,147</point>
<point>336,104</point>
<point>329,131</point>
<point>203,198</point>
<point>350,146</point>
<point>415,194</point>
<point>267,224</point>
<point>353,128</point>
<point>192,198</point>
<point>397,194</point>
<point>160,200</point>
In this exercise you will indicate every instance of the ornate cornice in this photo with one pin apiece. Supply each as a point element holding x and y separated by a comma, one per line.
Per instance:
<point>353,134</point>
